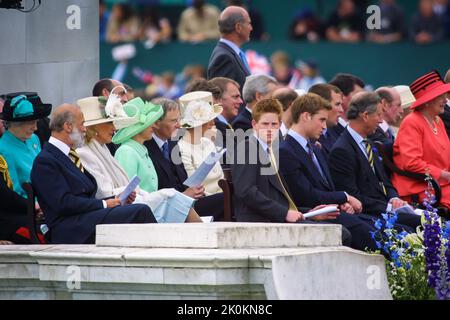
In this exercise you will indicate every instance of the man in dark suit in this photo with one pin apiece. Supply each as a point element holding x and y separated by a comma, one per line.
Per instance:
<point>166,158</point>
<point>259,190</point>
<point>392,113</point>
<point>305,170</point>
<point>333,95</point>
<point>66,191</point>
<point>286,96</point>
<point>355,166</point>
<point>228,60</point>
<point>256,88</point>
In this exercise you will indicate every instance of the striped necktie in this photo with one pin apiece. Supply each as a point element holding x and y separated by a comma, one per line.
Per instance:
<point>73,155</point>
<point>273,162</point>
<point>369,152</point>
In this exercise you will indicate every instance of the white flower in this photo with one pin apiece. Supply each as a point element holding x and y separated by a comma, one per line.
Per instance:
<point>198,111</point>
<point>114,108</point>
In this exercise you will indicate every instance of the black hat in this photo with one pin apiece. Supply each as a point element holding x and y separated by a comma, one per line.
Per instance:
<point>24,106</point>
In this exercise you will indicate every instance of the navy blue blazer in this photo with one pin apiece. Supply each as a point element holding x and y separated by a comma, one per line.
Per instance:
<point>66,195</point>
<point>308,187</point>
<point>170,175</point>
<point>243,120</point>
<point>329,141</point>
<point>352,173</point>
<point>224,62</point>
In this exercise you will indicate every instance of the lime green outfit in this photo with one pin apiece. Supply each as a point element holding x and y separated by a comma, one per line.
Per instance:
<point>134,159</point>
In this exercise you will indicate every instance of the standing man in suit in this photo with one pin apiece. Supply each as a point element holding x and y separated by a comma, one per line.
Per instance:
<point>446,115</point>
<point>305,170</point>
<point>392,113</point>
<point>256,88</point>
<point>355,166</point>
<point>66,191</point>
<point>165,154</point>
<point>227,59</point>
<point>286,96</point>
<point>334,96</point>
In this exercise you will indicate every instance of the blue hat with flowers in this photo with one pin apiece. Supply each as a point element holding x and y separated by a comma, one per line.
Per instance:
<point>141,115</point>
<point>24,106</point>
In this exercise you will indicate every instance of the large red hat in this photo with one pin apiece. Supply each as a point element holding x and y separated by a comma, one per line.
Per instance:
<point>427,88</point>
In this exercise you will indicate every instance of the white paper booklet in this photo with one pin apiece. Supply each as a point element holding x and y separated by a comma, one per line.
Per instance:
<point>132,185</point>
<point>314,213</point>
<point>200,174</point>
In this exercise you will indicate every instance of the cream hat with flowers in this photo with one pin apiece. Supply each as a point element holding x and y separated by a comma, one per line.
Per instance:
<point>197,108</point>
<point>98,110</point>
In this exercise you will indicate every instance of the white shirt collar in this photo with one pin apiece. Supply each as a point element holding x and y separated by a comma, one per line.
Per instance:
<point>263,144</point>
<point>299,138</point>
<point>356,136</point>
<point>64,148</point>
<point>384,126</point>
<point>232,45</point>
<point>159,141</point>
<point>284,130</point>
<point>248,109</point>
<point>221,118</point>
<point>343,122</point>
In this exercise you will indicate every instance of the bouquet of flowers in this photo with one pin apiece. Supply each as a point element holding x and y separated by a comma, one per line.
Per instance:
<point>419,263</point>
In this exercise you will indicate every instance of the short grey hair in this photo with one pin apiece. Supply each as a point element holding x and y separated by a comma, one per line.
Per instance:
<point>167,105</point>
<point>366,101</point>
<point>227,25</point>
<point>256,83</point>
<point>57,120</point>
<point>385,94</point>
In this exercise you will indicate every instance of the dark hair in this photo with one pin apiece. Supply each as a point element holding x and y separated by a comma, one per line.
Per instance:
<point>221,83</point>
<point>310,103</point>
<point>100,85</point>
<point>286,97</point>
<point>346,82</point>
<point>366,101</point>
<point>324,90</point>
<point>204,85</point>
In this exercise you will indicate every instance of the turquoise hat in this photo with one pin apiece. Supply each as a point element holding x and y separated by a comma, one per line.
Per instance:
<point>141,115</point>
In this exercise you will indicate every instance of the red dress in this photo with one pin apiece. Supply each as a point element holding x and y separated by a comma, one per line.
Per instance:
<point>418,149</point>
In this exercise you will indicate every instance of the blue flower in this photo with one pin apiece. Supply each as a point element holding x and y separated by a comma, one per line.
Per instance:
<point>378,224</point>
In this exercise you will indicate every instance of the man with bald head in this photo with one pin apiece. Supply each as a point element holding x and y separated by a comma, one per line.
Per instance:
<point>66,190</point>
<point>392,112</point>
<point>227,59</point>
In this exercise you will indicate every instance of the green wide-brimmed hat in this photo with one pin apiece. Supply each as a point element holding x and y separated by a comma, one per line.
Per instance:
<point>141,115</point>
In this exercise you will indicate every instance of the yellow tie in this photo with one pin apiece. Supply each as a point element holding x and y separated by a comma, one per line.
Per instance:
<point>372,164</point>
<point>5,172</point>
<point>273,162</point>
<point>73,155</point>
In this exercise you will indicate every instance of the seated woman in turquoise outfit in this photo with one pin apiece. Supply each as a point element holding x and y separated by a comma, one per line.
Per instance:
<point>19,145</point>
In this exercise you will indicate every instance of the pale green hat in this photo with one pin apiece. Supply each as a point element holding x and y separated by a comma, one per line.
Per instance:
<point>141,115</point>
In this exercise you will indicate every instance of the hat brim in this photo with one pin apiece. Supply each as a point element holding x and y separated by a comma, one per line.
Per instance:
<point>100,121</point>
<point>436,92</point>
<point>43,112</point>
<point>194,124</point>
<point>126,134</point>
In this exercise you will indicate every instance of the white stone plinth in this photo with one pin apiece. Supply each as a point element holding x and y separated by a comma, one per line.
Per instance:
<point>219,235</point>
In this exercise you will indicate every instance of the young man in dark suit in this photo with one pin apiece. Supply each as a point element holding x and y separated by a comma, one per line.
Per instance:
<point>66,191</point>
<point>355,166</point>
<point>259,191</point>
<point>334,96</point>
<point>228,60</point>
<point>305,170</point>
<point>166,158</point>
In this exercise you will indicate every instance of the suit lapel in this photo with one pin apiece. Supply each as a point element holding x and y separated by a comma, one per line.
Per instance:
<point>364,162</point>
<point>158,156</point>
<point>237,58</point>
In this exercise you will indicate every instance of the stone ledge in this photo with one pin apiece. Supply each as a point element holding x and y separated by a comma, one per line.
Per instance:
<point>220,235</point>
